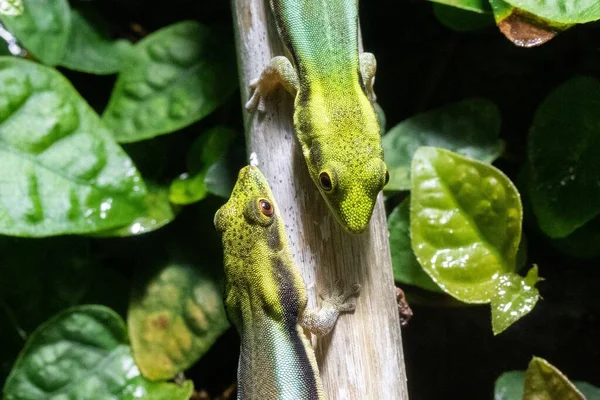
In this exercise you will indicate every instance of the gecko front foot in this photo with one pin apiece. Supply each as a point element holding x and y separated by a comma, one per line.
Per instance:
<point>279,72</point>
<point>341,299</point>
<point>320,322</point>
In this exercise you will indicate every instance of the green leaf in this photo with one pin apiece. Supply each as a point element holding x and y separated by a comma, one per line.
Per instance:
<point>88,51</point>
<point>523,28</point>
<point>43,28</point>
<point>462,20</point>
<point>465,229</point>
<point>582,243</point>
<point>562,11</point>
<point>509,386</point>
<point>208,150</point>
<point>563,152</point>
<point>220,178</point>
<point>61,171</point>
<point>175,315</point>
<point>406,267</point>
<point>171,79</point>
<point>515,297</point>
<point>479,6</point>
<point>544,381</point>
<point>82,353</point>
<point>470,127</point>
<point>11,7</point>
<point>159,212</point>
<point>61,270</point>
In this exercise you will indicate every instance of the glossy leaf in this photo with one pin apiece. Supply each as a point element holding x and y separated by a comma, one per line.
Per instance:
<point>563,151</point>
<point>544,381</point>
<point>465,229</point>
<point>461,20</point>
<point>176,313</point>
<point>470,127</point>
<point>514,298</point>
<point>562,11</point>
<point>11,7</point>
<point>61,171</point>
<point>406,267</point>
<point>62,271</point>
<point>509,386</point>
<point>207,150</point>
<point>522,28</point>
<point>88,51</point>
<point>43,28</point>
<point>479,6</point>
<point>158,212</point>
<point>172,78</point>
<point>582,243</point>
<point>82,353</point>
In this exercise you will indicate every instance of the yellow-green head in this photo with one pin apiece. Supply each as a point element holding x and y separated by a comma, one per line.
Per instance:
<point>249,215</point>
<point>341,142</point>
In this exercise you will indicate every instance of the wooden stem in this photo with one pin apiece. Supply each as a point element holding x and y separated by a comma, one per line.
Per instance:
<point>362,358</point>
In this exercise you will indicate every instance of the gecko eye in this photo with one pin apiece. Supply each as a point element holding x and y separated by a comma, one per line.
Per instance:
<point>387,177</point>
<point>325,181</point>
<point>265,207</point>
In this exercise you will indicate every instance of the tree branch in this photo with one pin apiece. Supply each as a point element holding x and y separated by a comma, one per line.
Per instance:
<point>362,358</point>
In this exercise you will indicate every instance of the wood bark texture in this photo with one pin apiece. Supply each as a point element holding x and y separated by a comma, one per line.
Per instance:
<point>362,357</point>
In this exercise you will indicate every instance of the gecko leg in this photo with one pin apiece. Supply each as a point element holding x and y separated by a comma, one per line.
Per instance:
<point>279,72</point>
<point>368,67</point>
<point>321,322</point>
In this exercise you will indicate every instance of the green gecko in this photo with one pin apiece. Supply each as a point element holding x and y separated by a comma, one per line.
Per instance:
<point>265,297</point>
<point>335,121</point>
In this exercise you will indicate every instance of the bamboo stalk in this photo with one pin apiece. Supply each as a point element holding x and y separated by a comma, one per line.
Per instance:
<point>362,358</point>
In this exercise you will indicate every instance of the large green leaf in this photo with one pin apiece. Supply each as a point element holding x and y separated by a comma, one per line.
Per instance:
<point>82,353</point>
<point>172,78</point>
<point>88,51</point>
<point>209,149</point>
<point>470,127</point>
<point>523,28</point>
<point>11,7</point>
<point>61,170</point>
<point>176,313</point>
<point>562,11</point>
<point>563,150</point>
<point>509,386</point>
<point>461,20</point>
<point>43,28</point>
<point>406,267</point>
<point>465,229</point>
<point>479,6</point>
<point>158,213</point>
<point>544,381</point>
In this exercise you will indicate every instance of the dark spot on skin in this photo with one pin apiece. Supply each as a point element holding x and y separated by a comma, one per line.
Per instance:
<point>316,155</point>
<point>273,239</point>
<point>288,296</point>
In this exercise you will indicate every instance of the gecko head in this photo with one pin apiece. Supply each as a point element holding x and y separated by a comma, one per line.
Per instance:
<point>250,207</point>
<point>351,189</point>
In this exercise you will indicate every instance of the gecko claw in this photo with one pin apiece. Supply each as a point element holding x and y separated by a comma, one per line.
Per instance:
<point>341,299</point>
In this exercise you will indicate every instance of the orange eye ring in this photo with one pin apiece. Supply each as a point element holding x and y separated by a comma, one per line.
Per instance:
<point>325,181</point>
<point>266,208</point>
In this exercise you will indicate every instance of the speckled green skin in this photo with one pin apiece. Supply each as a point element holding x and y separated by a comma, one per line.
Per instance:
<point>265,298</point>
<point>334,118</point>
